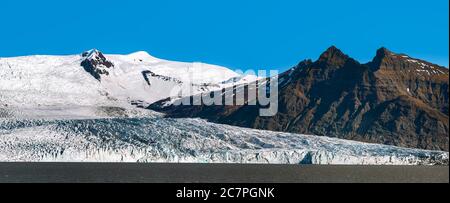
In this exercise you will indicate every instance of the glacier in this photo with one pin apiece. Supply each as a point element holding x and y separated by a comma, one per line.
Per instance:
<point>154,139</point>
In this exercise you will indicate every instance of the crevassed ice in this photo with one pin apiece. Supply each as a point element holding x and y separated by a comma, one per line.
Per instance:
<point>187,140</point>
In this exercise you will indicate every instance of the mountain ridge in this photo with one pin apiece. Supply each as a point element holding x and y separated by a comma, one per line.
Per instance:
<point>394,100</point>
<point>52,109</point>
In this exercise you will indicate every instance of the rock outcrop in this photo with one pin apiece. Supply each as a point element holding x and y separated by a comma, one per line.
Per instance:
<point>96,64</point>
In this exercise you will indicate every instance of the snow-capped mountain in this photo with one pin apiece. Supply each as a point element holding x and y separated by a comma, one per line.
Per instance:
<point>95,78</point>
<point>83,108</point>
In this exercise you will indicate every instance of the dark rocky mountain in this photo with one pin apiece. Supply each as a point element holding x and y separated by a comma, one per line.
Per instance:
<point>394,100</point>
<point>96,63</point>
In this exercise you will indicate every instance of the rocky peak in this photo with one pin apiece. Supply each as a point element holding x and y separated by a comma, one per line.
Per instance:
<point>333,56</point>
<point>95,63</point>
<point>403,64</point>
<point>383,52</point>
<point>96,57</point>
<point>89,53</point>
<point>381,57</point>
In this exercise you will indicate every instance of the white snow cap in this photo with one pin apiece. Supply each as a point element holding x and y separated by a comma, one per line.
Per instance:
<point>58,80</point>
<point>142,54</point>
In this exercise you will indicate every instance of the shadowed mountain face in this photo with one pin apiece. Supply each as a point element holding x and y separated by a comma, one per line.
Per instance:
<point>394,100</point>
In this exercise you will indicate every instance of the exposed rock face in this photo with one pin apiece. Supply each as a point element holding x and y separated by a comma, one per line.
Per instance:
<point>96,63</point>
<point>394,99</point>
<point>148,74</point>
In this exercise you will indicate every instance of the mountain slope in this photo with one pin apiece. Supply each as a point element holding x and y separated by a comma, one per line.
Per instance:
<point>394,100</point>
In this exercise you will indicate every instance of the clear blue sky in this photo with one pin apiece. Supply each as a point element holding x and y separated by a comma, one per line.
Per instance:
<point>234,33</point>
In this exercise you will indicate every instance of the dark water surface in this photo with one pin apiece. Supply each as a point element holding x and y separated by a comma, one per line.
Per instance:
<point>216,173</point>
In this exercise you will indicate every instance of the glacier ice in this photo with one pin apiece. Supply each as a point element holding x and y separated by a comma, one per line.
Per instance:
<point>157,139</point>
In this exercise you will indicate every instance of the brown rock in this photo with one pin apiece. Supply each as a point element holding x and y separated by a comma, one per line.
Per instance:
<point>394,100</point>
